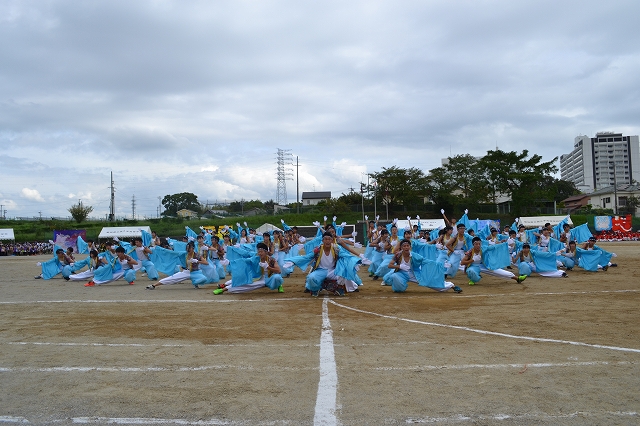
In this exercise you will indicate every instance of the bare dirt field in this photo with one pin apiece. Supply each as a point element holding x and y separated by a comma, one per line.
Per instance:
<point>552,351</point>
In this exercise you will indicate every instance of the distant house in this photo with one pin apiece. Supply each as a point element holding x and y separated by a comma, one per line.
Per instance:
<point>187,214</point>
<point>313,198</point>
<point>208,214</point>
<point>605,198</point>
<point>576,202</point>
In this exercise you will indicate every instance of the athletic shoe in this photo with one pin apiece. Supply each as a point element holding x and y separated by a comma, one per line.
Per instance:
<point>569,269</point>
<point>132,283</point>
<point>306,290</point>
<point>90,284</point>
<point>471,283</point>
<point>196,286</point>
<point>150,287</point>
<point>383,283</point>
<point>66,278</point>
<point>457,289</point>
<point>37,277</point>
<point>218,291</point>
<point>564,275</point>
<point>223,285</point>
<point>604,268</point>
<point>339,292</point>
<point>613,265</point>
<point>314,293</point>
<point>521,278</point>
<point>281,289</point>
<point>375,277</point>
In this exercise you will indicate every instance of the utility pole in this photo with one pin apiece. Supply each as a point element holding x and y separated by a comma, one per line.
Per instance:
<point>362,193</point>
<point>112,206</point>
<point>159,204</point>
<point>615,190</point>
<point>297,185</point>
<point>133,207</point>
<point>2,211</point>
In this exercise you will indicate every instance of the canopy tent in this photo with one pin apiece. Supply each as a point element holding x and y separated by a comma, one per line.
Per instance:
<point>7,234</point>
<point>267,227</point>
<point>123,231</point>
<point>535,221</point>
<point>427,224</point>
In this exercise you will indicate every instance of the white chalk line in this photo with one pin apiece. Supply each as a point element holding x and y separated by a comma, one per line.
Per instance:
<point>325,410</point>
<point>230,345</point>
<point>490,333</point>
<point>460,418</point>
<point>148,369</point>
<point>291,299</point>
<point>442,367</point>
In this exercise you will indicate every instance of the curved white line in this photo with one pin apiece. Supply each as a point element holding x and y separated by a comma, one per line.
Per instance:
<point>491,333</point>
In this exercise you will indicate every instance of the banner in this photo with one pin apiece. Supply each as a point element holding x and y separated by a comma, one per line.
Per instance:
<point>67,238</point>
<point>621,223</point>
<point>602,223</point>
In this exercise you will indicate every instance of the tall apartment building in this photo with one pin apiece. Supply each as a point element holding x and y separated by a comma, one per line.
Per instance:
<point>597,163</point>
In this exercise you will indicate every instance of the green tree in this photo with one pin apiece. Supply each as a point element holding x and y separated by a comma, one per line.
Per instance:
<point>399,186</point>
<point>79,212</point>
<point>631,205</point>
<point>183,200</point>
<point>517,176</point>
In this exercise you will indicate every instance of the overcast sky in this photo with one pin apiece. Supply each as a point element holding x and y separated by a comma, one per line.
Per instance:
<point>188,96</point>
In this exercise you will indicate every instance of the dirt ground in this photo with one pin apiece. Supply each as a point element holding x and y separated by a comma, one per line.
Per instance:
<point>552,351</point>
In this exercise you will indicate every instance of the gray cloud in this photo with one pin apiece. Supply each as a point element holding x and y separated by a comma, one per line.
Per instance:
<point>158,91</point>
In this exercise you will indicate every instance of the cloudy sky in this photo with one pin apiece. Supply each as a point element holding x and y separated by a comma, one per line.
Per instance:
<point>197,96</point>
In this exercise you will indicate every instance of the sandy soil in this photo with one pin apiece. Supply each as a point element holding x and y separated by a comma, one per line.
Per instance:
<point>554,351</point>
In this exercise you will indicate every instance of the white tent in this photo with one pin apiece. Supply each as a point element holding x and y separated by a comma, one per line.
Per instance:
<point>7,234</point>
<point>267,227</point>
<point>536,221</point>
<point>428,224</point>
<point>123,231</point>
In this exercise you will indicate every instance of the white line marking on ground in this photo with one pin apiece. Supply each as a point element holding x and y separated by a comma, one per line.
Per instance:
<point>535,417</point>
<point>291,299</point>
<point>507,366</point>
<point>12,419</point>
<point>260,368</point>
<point>149,421</point>
<point>325,412</point>
<point>490,333</point>
<point>163,345</point>
<point>146,369</point>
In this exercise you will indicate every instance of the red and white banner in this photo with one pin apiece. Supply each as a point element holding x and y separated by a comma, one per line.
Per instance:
<point>621,223</point>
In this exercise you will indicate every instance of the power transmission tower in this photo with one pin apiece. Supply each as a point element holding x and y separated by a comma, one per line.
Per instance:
<point>285,158</point>
<point>133,207</point>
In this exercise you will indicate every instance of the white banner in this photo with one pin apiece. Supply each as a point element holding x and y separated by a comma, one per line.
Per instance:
<point>7,234</point>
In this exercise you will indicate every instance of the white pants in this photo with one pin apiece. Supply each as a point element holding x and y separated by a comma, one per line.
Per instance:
<point>176,278</point>
<point>244,288</point>
<point>82,276</point>
<point>116,277</point>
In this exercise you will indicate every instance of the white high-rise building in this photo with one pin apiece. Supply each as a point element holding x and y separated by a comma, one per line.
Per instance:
<point>596,163</point>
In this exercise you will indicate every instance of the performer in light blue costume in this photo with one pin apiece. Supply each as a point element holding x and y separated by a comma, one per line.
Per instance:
<point>142,256</point>
<point>333,266</point>
<point>191,270</point>
<point>119,266</point>
<point>592,258</point>
<point>93,262</point>
<point>60,264</point>
<point>568,256</point>
<point>407,266</point>
<point>541,262</point>
<point>481,260</point>
<point>457,247</point>
<point>253,273</point>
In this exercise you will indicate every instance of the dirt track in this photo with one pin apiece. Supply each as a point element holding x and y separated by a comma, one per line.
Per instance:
<point>175,355</point>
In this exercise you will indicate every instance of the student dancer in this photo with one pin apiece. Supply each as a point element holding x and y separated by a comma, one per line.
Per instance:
<point>93,261</point>
<point>143,259</point>
<point>253,273</point>
<point>122,266</point>
<point>473,261</point>
<point>406,267</point>
<point>526,265</point>
<point>191,270</point>
<point>60,264</point>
